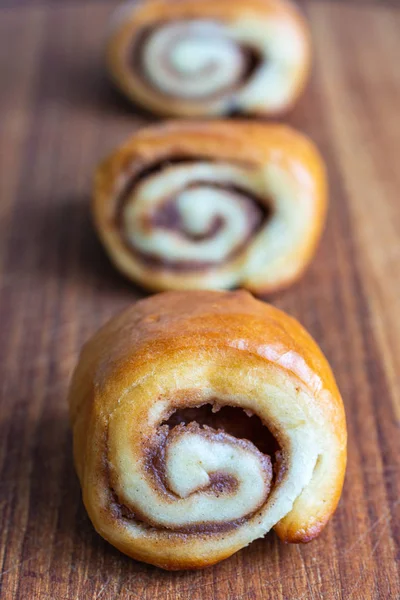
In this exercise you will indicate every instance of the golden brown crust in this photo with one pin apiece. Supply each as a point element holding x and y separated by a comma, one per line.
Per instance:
<point>280,173</point>
<point>185,349</point>
<point>268,29</point>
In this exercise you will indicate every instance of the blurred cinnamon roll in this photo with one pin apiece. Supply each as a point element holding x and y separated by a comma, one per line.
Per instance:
<point>210,57</point>
<point>212,205</point>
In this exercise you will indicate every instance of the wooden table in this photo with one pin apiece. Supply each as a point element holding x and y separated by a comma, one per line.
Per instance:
<point>58,117</point>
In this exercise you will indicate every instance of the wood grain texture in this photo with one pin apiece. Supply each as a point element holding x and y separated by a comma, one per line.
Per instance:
<point>59,116</point>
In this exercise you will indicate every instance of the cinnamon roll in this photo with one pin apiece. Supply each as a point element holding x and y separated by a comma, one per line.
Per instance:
<point>201,420</point>
<point>210,57</point>
<point>212,205</point>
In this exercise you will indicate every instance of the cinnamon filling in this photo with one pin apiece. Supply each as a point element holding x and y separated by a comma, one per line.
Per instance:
<point>229,419</point>
<point>212,421</point>
<point>251,61</point>
<point>168,217</point>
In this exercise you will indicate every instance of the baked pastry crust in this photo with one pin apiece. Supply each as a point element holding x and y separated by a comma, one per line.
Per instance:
<point>199,58</point>
<point>185,497</point>
<point>212,205</point>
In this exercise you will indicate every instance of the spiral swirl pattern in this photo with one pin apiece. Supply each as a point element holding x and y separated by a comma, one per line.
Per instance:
<point>200,57</point>
<point>212,205</point>
<point>193,59</point>
<point>190,492</point>
<point>208,214</point>
<point>201,479</point>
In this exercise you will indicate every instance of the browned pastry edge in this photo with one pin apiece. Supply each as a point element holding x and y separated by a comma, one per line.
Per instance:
<point>247,144</point>
<point>229,326</point>
<point>135,20</point>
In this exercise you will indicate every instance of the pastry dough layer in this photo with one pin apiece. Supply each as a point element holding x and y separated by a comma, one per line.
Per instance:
<point>210,57</point>
<point>188,495</point>
<point>212,205</point>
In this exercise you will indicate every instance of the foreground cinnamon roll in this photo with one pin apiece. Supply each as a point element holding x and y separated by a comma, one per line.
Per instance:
<point>201,420</point>
<point>212,205</point>
<point>210,57</point>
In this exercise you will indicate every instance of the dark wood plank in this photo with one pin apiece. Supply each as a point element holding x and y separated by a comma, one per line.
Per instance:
<point>59,116</point>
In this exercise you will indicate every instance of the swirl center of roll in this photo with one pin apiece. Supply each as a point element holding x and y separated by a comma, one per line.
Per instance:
<point>193,477</point>
<point>192,59</point>
<point>194,455</point>
<point>193,214</point>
